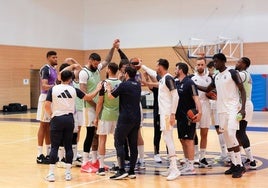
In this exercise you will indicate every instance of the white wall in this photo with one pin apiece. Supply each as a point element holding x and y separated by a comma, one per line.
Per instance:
<point>42,23</point>
<point>94,24</point>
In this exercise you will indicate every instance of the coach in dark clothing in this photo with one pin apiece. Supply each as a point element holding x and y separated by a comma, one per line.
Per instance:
<point>128,123</point>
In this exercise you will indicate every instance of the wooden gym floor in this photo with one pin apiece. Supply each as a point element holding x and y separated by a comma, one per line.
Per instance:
<point>18,168</point>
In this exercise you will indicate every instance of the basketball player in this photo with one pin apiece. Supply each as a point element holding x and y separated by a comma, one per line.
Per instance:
<point>231,98</point>
<point>89,76</point>
<point>201,78</point>
<point>48,75</point>
<point>60,105</point>
<point>189,99</point>
<point>107,111</point>
<point>242,66</point>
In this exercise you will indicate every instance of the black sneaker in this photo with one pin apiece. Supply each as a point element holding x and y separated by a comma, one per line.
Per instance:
<point>121,174</point>
<point>230,170</point>
<point>40,159</point>
<point>237,171</point>
<point>131,174</point>
<point>252,165</point>
<point>101,172</point>
<point>204,164</point>
<point>114,169</point>
<point>46,160</point>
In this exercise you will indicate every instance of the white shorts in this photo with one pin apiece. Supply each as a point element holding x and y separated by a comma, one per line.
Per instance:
<point>41,113</point>
<point>205,121</point>
<point>164,123</point>
<point>78,120</point>
<point>106,127</point>
<point>89,115</point>
<point>228,120</point>
<point>249,111</point>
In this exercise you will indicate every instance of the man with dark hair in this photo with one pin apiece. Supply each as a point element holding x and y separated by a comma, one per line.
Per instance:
<point>48,75</point>
<point>128,123</point>
<point>60,105</point>
<point>89,76</point>
<point>231,99</point>
<point>242,66</point>
<point>186,128</point>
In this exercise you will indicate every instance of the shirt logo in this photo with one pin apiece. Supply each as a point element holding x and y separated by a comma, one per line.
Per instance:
<point>65,94</point>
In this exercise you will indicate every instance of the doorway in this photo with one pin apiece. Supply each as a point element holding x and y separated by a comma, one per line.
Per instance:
<point>35,87</point>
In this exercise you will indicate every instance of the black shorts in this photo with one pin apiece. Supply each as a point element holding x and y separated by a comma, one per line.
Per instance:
<point>186,130</point>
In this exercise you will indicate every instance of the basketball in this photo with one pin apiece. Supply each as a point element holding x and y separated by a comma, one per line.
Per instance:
<point>191,113</point>
<point>136,62</point>
<point>212,95</point>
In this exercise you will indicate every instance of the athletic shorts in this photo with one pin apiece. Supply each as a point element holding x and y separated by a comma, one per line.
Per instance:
<point>205,121</point>
<point>249,111</point>
<point>185,129</point>
<point>106,127</point>
<point>228,120</point>
<point>41,114</point>
<point>78,120</point>
<point>89,115</point>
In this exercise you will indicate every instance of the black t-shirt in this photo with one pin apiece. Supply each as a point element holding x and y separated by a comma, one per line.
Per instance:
<point>186,90</point>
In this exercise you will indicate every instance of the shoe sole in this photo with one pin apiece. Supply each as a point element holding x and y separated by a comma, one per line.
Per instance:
<point>174,177</point>
<point>121,177</point>
<point>132,176</point>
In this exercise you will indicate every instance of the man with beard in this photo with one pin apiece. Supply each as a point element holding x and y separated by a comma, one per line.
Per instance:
<point>89,77</point>
<point>201,78</point>
<point>48,75</point>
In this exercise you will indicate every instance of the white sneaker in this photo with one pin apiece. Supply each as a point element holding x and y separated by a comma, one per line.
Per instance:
<point>157,158</point>
<point>61,164</point>
<point>188,171</point>
<point>68,176</point>
<point>173,174</point>
<point>50,177</point>
<point>165,173</point>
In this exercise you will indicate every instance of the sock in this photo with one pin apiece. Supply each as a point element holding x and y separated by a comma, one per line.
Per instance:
<point>48,149</point>
<point>223,145</point>
<point>68,168</point>
<point>233,159</point>
<point>202,153</point>
<point>39,150</point>
<point>173,162</point>
<point>74,147</point>
<point>51,168</point>
<point>196,152</point>
<point>249,154</point>
<point>94,156</point>
<point>191,164</point>
<point>238,159</point>
<point>141,153</point>
<point>85,157</point>
<point>101,161</point>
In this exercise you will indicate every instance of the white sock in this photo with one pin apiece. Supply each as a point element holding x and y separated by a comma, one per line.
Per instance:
<point>101,161</point>
<point>191,164</point>
<point>85,157</point>
<point>233,159</point>
<point>141,153</point>
<point>238,158</point>
<point>249,154</point>
<point>94,156</point>
<point>196,152</point>
<point>39,150</point>
<point>68,168</point>
<point>74,147</point>
<point>223,145</point>
<point>173,162</point>
<point>51,168</point>
<point>202,153</point>
<point>48,149</point>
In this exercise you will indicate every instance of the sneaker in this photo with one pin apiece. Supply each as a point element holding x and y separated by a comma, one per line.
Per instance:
<point>50,177</point>
<point>114,169</point>
<point>165,173</point>
<point>157,158</point>
<point>237,171</point>
<point>61,163</point>
<point>46,160</point>
<point>77,162</point>
<point>204,164</point>
<point>101,172</point>
<point>188,171</point>
<point>140,166</point>
<point>196,163</point>
<point>88,168</point>
<point>68,176</point>
<point>230,170</point>
<point>131,174</point>
<point>252,165</point>
<point>96,164</point>
<point>173,174</point>
<point>40,159</point>
<point>119,175</point>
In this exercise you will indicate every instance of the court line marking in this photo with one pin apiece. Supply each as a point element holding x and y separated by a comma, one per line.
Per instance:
<point>86,183</point>
<point>18,141</point>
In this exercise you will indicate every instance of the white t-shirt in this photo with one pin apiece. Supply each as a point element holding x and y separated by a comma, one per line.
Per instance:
<point>202,80</point>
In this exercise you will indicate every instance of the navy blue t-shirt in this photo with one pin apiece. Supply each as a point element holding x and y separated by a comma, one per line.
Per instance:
<point>186,90</point>
<point>129,93</point>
